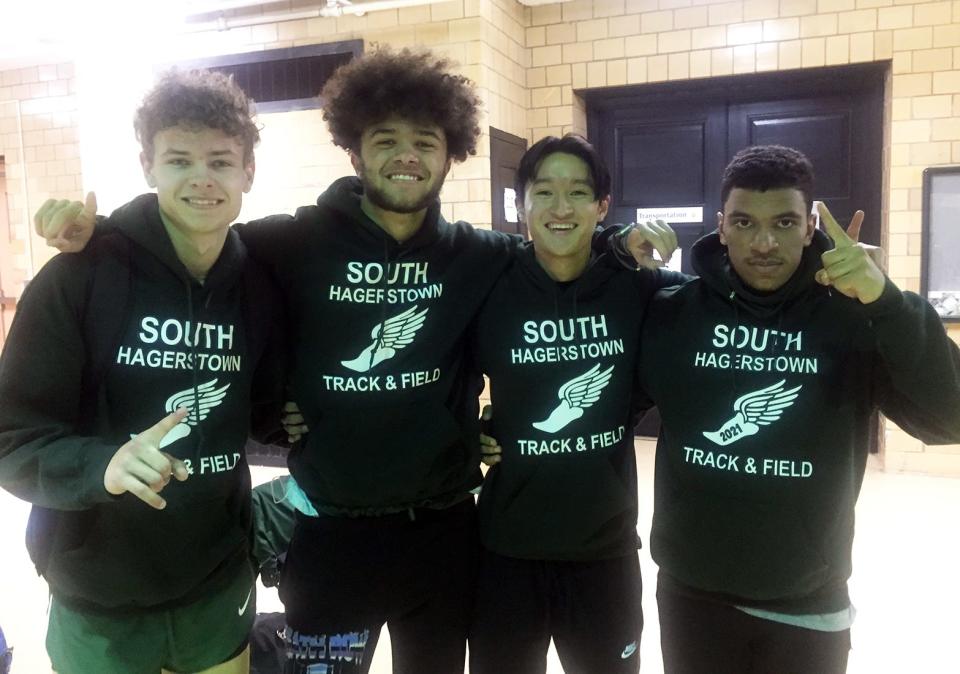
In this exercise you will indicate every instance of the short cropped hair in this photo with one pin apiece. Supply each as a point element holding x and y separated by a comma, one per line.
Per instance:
<point>571,143</point>
<point>197,99</point>
<point>768,167</point>
<point>411,84</point>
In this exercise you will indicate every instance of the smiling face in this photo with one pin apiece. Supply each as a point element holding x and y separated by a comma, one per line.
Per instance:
<point>200,176</point>
<point>765,234</point>
<point>402,164</point>
<point>561,211</point>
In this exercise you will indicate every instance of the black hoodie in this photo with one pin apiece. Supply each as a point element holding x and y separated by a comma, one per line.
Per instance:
<point>766,403</point>
<point>380,368</point>
<point>57,435</point>
<point>562,364</point>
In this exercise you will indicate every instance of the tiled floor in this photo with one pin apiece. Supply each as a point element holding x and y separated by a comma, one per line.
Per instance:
<point>906,586</point>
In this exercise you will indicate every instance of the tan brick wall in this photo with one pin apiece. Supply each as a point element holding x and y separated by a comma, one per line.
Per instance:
<point>486,37</point>
<point>528,61</point>
<point>296,160</point>
<point>39,144</point>
<point>612,42</point>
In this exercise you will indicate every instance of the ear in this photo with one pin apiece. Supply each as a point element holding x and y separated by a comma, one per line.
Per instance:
<point>356,162</point>
<point>146,163</point>
<point>723,239</point>
<point>811,228</point>
<point>521,214</point>
<point>602,209</point>
<point>249,171</point>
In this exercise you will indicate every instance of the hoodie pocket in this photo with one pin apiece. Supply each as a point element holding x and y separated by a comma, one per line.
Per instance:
<point>350,462</point>
<point>51,533</point>
<point>556,509</point>
<point>750,549</point>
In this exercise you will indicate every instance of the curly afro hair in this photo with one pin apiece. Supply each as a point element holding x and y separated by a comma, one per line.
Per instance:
<point>769,167</point>
<point>197,99</point>
<point>414,85</point>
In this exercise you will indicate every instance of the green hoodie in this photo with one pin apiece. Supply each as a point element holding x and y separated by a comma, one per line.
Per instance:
<point>59,429</point>
<point>767,402</point>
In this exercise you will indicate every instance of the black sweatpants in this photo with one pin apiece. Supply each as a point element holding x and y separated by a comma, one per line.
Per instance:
<point>704,637</point>
<point>345,577</point>
<point>591,609</point>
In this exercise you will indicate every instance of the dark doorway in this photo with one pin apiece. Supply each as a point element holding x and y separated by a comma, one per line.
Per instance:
<point>505,152</point>
<point>667,144</point>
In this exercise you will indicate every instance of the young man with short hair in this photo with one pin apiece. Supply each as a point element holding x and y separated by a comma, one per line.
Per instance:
<point>558,337</point>
<point>767,370</point>
<point>143,582</point>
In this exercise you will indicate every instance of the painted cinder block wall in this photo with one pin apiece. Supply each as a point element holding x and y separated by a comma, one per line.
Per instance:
<point>528,62</point>
<point>41,158</point>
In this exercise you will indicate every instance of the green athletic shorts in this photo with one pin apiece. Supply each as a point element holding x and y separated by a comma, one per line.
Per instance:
<point>188,638</point>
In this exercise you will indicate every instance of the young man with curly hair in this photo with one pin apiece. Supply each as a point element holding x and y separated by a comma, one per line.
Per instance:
<point>380,290</point>
<point>143,582</point>
<point>767,371</point>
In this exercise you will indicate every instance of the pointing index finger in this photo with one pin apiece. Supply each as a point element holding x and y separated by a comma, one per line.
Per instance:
<point>840,237</point>
<point>156,433</point>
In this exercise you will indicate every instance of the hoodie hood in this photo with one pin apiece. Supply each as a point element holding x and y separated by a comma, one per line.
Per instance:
<point>710,261</point>
<point>140,221</point>
<point>586,285</point>
<point>343,198</point>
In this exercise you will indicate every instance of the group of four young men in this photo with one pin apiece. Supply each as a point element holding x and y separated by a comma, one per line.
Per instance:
<point>393,313</point>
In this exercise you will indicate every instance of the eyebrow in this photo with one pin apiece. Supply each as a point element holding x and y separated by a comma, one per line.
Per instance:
<point>779,216</point>
<point>576,181</point>
<point>185,153</point>
<point>390,129</point>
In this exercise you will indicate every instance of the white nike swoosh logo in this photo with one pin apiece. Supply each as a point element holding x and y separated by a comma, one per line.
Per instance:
<point>243,609</point>
<point>629,650</point>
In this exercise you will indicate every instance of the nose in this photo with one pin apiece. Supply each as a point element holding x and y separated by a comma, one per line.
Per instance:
<point>407,154</point>
<point>562,205</point>
<point>765,241</point>
<point>201,175</point>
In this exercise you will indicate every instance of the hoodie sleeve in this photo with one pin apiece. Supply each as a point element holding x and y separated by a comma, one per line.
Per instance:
<point>917,369</point>
<point>43,459</point>
<point>664,278</point>
<point>266,401</point>
<point>268,239</point>
<point>270,376</point>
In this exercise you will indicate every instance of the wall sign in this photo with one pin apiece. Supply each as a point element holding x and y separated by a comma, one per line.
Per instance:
<point>671,214</point>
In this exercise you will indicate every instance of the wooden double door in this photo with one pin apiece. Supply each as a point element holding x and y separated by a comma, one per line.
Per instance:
<point>667,145</point>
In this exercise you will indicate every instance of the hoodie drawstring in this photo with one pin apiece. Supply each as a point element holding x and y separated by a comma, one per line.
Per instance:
<point>731,398</point>
<point>195,412</point>
<point>383,302</point>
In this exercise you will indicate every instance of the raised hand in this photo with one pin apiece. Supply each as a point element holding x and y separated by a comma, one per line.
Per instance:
<point>139,467</point>
<point>645,237</point>
<point>849,267</point>
<point>67,225</point>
